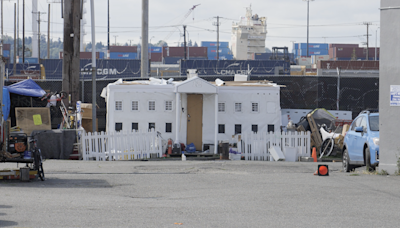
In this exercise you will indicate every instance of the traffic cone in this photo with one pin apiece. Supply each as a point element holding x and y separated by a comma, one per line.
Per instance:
<point>322,170</point>
<point>314,154</point>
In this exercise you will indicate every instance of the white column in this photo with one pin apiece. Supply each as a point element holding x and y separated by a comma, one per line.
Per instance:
<point>216,125</point>
<point>177,112</point>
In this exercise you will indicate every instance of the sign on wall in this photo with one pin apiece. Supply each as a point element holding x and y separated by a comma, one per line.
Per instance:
<point>394,95</point>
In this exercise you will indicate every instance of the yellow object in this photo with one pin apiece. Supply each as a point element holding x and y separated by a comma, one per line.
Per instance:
<point>37,119</point>
<point>42,72</point>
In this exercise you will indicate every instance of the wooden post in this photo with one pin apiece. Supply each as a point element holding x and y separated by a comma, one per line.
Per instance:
<point>71,51</point>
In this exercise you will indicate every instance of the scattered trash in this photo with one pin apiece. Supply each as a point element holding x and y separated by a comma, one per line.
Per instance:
<point>178,223</point>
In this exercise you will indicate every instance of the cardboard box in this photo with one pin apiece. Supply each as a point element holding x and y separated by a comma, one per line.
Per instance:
<point>30,119</point>
<point>86,110</point>
<point>87,125</point>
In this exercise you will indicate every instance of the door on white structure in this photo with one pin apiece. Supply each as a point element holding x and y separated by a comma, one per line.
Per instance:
<point>195,120</point>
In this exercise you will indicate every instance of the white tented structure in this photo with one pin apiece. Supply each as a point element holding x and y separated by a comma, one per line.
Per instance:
<point>248,36</point>
<point>193,111</point>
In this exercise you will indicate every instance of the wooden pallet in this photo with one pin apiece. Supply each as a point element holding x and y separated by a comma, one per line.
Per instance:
<point>316,138</point>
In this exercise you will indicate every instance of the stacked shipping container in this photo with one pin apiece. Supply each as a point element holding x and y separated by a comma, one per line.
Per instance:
<point>172,55</point>
<point>224,53</point>
<point>348,65</point>
<point>300,49</point>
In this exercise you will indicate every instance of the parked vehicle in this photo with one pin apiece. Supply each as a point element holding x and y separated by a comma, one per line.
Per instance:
<point>361,143</point>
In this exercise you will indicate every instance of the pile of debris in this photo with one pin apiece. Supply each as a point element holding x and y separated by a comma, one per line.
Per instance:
<point>327,132</point>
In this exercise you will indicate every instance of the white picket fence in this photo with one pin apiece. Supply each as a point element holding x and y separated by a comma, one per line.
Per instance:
<point>255,146</point>
<point>103,146</point>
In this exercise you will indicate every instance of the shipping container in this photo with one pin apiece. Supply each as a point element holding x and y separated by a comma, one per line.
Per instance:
<point>179,51</point>
<point>83,55</point>
<point>321,46</point>
<point>232,67</point>
<point>316,58</point>
<point>123,49</point>
<point>101,56</point>
<point>221,57</point>
<point>354,53</point>
<point>123,55</point>
<point>29,60</point>
<point>221,51</point>
<point>312,51</point>
<point>343,45</point>
<point>22,69</point>
<point>175,60</point>
<point>304,61</point>
<point>155,49</point>
<point>155,57</point>
<point>6,47</point>
<point>105,68</point>
<point>268,56</point>
<point>349,65</point>
<point>214,44</point>
<point>6,53</point>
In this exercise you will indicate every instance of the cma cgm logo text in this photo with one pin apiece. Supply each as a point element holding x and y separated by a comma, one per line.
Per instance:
<point>124,55</point>
<point>314,46</point>
<point>233,72</point>
<point>99,71</point>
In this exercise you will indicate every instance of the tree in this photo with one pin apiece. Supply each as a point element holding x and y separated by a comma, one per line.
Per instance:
<point>195,44</point>
<point>190,43</point>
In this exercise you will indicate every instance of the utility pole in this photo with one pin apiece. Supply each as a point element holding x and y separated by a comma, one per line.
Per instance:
<point>23,31</point>
<point>48,34</point>
<point>39,33</point>
<point>18,28</point>
<point>308,24</point>
<point>71,50</point>
<point>108,29</point>
<point>15,40</point>
<point>367,24</point>
<point>115,37</point>
<point>94,127</point>
<point>217,24</point>
<point>130,42</point>
<point>1,45</point>
<point>184,41</point>
<point>144,67</point>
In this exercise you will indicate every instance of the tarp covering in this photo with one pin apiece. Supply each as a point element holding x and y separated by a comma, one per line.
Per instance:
<point>322,116</point>
<point>6,103</point>
<point>26,87</point>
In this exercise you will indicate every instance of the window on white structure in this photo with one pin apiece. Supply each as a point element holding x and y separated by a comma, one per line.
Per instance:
<point>238,107</point>
<point>271,128</point>
<point>152,105</point>
<point>135,105</point>
<point>254,128</point>
<point>168,127</point>
<point>168,105</point>
<point>118,105</point>
<point>254,107</point>
<point>152,126</point>
<point>221,128</point>
<point>135,126</point>
<point>221,107</point>
<point>238,129</point>
<point>118,126</point>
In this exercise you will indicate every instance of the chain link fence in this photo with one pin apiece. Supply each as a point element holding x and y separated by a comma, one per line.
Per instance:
<point>297,92</point>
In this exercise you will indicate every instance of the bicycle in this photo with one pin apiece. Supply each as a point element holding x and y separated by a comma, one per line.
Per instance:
<point>37,158</point>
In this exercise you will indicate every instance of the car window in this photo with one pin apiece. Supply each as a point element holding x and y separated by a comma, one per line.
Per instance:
<point>374,123</point>
<point>356,123</point>
<point>363,123</point>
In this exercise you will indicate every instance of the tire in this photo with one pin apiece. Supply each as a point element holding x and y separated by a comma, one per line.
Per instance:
<point>346,162</point>
<point>326,147</point>
<point>39,165</point>
<point>369,167</point>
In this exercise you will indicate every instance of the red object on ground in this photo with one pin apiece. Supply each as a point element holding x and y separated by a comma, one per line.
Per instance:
<point>169,146</point>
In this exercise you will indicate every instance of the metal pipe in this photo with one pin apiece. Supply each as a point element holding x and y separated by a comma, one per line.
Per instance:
<point>93,67</point>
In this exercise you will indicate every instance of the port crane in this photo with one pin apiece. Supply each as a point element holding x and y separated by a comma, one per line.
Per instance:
<point>180,22</point>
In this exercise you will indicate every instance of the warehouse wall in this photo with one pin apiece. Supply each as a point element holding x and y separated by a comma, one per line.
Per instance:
<point>389,71</point>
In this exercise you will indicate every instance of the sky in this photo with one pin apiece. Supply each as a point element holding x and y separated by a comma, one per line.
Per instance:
<point>331,21</point>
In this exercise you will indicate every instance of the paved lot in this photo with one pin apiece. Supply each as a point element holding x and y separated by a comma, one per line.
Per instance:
<point>198,194</point>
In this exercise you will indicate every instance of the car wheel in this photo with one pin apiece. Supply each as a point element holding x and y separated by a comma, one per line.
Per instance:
<point>346,162</point>
<point>369,167</point>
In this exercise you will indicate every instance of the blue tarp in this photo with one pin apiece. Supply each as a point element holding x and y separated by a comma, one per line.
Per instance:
<point>6,103</point>
<point>26,87</point>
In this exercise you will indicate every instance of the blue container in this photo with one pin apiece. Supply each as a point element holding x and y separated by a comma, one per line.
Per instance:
<point>101,55</point>
<point>221,57</point>
<point>232,67</point>
<point>214,44</point>
<point>6,53</point>
<point>313,45</point>
<point>221,51</point>
<point>123,55</point>
<point>155,49</point>
<point>268,56</point>
<point>21,67</point>
<point>312,51</point>
<point>171,60</point>
<point>29,60</point>
<point>106,68</point>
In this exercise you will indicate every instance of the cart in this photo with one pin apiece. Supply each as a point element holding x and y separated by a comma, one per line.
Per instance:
<point>32,158</point>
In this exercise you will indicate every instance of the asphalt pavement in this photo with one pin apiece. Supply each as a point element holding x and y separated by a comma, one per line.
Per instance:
<point>216,193</point>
